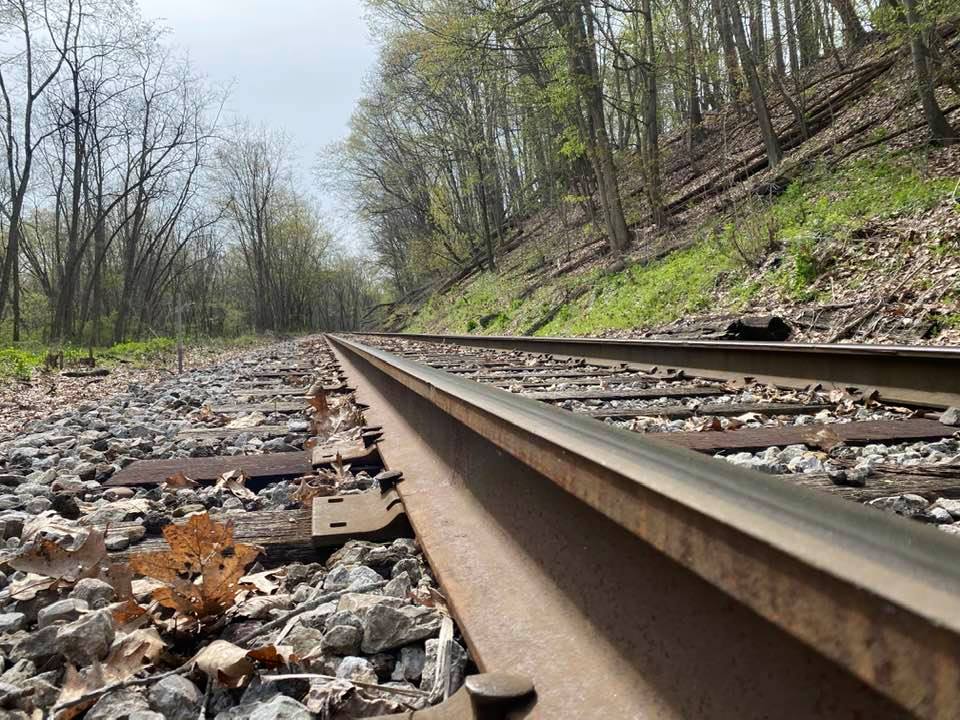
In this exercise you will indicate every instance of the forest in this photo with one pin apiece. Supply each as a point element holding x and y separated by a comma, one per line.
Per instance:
<point>482,113</point>
<point>127,199</point>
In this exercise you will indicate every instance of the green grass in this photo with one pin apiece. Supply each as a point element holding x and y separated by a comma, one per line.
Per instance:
<point>20,361</point>
<point>831,207</point>
<point>645,295</point>
<point>487,295</point>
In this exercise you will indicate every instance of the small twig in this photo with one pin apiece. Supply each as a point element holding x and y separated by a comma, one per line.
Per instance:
<point>310,604</point>
<point>129,682</point>
<point>206,699</point>
<point>413,692</point>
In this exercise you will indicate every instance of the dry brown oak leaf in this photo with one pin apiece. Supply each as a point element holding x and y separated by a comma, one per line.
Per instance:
<point>48,558</point>
<point>202,568</point>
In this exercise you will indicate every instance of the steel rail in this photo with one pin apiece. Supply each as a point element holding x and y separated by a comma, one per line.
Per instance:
<point>923,376</point>
<point>632,579</point>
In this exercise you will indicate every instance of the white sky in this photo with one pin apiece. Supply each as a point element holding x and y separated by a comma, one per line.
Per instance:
<point>295,65</point>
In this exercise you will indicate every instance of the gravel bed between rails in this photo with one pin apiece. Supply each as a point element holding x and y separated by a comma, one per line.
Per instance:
<point>361,632</point>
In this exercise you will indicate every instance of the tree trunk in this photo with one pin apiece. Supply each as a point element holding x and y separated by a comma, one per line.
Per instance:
<point>574,20</point>
<point>770,140</point>
<point>652,122</point>
<point>694,113</point>
<point>940,130</point>
<point>792,49</point>
<point>781,69</point>
<point>730,62</point>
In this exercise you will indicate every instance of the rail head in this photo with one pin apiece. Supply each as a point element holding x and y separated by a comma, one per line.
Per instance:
<point>840,577</point>
<point>923,376</point>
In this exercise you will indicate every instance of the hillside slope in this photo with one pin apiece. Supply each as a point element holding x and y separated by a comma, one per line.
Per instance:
<point>855,237</point>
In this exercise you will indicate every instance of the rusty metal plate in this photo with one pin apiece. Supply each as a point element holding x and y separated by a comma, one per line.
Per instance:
<point>364,516</point>
<point>352,451</point>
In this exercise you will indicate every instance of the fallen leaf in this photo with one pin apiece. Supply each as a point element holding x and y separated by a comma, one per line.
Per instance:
<point>127,612</point>
<point>75,685</point>
<point>225,663</point>
<point>247,421</point>
<point>202,569</point>
<point>235,482</point>
<point>273,656</point>
<point>262,582</point>
<point>825,439</point>
<point>178,480</point>
<point>46,557</point>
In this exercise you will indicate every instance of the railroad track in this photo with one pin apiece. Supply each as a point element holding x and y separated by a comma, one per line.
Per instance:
<point>617,574</point>
<point>630,577</point>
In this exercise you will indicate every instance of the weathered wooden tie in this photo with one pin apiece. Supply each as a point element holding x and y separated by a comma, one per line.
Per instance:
<point>679,412</point>
<point>673,391</point>
<point>854,433</point>
<point>272,466</point>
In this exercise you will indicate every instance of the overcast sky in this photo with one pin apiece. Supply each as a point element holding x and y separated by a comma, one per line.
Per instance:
<point>296,65</point>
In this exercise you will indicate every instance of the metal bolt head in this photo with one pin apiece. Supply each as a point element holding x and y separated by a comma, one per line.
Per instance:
<point>497,687</point>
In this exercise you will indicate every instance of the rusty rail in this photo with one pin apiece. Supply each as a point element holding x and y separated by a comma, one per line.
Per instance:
<point>630,579</point>
<point>923,376</point>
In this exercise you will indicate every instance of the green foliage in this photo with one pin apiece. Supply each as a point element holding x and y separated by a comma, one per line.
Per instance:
<point>827,207</point>
<point>645,294</point>
<point>809,222</point>
<point>22,360</point>
<point>17,363</point>
<point>140,350</point>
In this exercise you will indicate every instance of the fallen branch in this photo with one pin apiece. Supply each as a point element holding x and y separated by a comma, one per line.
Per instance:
<point>412,692</point>
<point>848,329</point>
<point>310,604</point>
<point>129,682</point>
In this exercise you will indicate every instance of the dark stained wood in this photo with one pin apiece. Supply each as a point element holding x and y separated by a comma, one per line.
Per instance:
<point>678,412</point>
<point>284,535</point>
<point>672,391</point>
<point>280,407</point>
<point>285,390</point>
<point>509,371</point>
<point>576,380</point>
<point>257,467</point>
<point>855,433</point>
<point>222,432</point>
<point>882,485</point>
